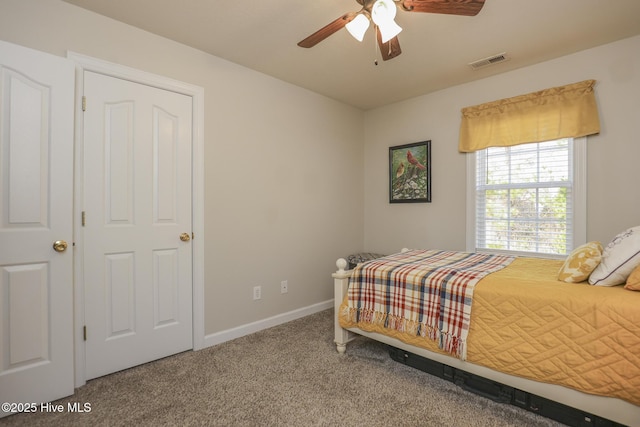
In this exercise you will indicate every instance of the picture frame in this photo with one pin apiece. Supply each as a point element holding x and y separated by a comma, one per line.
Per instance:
<point>410,173</point>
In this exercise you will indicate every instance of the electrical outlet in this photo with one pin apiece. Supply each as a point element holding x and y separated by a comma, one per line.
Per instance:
<point>257,292</point>
<point>284,287</point>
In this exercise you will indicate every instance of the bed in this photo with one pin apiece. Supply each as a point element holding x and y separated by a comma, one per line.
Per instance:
<point>510,321</point>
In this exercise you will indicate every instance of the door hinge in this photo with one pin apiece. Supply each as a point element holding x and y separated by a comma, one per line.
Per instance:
<point>84,103</point>
<point>84,218</point>
<point>84,332</point>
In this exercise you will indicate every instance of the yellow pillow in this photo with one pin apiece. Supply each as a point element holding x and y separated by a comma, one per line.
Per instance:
<point>581,262</point>
<point>633,281</point>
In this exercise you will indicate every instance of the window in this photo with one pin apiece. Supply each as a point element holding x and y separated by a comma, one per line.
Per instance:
<point>528,198</point>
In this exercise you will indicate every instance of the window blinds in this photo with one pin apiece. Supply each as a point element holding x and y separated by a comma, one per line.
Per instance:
<point>524,197</point>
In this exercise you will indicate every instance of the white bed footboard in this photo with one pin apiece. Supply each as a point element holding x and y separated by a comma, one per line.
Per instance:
<point>609,408</point>
<point>340,286</point>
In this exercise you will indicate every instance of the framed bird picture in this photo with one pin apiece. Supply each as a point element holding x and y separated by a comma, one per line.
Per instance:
<point>410,173</point>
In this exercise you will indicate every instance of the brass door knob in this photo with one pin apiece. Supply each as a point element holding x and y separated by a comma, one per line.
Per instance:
<point>185,237</point>
<point>59,246</point>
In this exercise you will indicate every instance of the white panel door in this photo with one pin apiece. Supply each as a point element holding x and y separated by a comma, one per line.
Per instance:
<point>137,204</point>
<point>36,209</point>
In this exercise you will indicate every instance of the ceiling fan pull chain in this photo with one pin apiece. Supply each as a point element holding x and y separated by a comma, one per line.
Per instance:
<point>375,45</point>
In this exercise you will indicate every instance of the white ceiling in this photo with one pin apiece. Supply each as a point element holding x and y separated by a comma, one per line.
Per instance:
<point>263,35</point>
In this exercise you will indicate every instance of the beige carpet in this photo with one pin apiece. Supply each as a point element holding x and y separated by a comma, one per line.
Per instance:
<point>289,375</point>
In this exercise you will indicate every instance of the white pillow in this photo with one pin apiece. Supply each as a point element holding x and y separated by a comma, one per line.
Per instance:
<point>619,259</point>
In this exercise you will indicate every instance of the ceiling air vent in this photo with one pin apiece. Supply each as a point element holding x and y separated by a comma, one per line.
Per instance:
<point>485,62</point>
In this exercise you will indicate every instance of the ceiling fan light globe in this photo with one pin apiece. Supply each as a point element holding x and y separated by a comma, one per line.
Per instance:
<point>383,11</point>
<point>389,30</point>
<point>358,27</point>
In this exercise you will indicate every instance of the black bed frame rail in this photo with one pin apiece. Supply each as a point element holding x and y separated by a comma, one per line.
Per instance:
<point>502,393</point>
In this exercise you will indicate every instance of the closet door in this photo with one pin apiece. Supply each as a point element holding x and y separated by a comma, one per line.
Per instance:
<point>36,247</point>
<point>137,228</point>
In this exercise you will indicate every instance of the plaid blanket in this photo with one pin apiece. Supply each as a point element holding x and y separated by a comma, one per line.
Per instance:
<point>422,292</point>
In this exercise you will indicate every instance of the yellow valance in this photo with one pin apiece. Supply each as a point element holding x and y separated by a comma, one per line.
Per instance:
<point>561,112</point>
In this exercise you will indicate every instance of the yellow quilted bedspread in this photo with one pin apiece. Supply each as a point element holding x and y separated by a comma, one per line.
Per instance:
<point>526,323</point>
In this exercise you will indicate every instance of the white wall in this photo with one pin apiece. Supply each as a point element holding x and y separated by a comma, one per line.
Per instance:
<point>277,161</point>
<point>613,195</point>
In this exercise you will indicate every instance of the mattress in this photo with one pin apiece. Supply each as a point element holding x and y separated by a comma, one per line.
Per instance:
<point>524,322</point>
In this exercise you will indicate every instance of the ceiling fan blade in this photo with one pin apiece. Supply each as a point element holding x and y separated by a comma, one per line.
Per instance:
<point>390,49</point>
<point>451,7</point>
<point>327,30</point>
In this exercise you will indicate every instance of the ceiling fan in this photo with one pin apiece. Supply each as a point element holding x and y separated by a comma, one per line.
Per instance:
<point>382,13</point>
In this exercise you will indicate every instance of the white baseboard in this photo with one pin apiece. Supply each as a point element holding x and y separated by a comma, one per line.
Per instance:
<point>250,328</point>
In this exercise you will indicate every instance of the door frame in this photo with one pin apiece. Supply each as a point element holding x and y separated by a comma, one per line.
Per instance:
<point>85,63</point>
